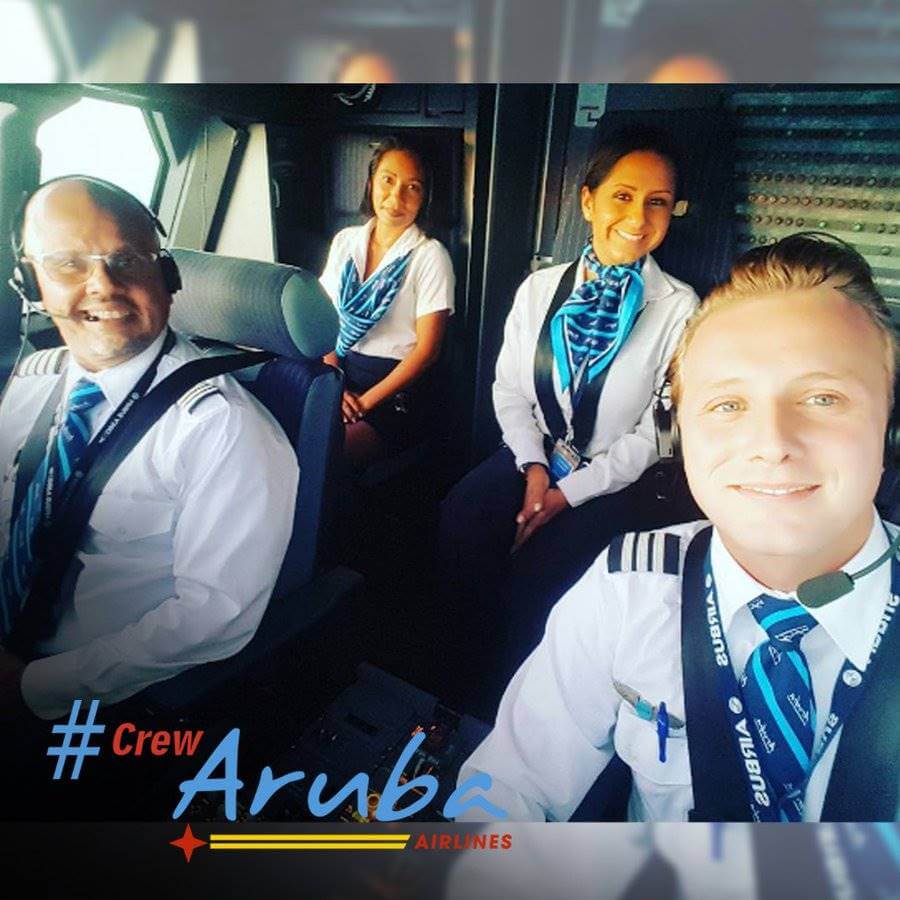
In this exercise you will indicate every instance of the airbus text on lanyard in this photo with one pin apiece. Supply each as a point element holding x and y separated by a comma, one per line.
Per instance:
<point>847,691</point>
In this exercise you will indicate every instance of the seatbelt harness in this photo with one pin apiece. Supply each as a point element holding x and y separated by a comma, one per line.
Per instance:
<point>62,536</point>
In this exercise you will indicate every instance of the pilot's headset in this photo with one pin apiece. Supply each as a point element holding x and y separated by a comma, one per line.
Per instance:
<point>24,280</point>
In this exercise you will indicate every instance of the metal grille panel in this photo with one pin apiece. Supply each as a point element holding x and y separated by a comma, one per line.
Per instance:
<point>822,160</point>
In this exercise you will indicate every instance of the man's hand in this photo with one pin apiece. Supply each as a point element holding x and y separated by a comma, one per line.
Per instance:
<point>352,408</point>
<point>553,504</point>
<point>12,705</point>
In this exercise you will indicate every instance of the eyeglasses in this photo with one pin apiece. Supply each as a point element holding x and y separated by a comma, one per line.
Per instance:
<point>72,267</point>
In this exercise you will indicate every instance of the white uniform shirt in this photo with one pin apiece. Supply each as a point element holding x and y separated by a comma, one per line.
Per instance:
<point>427,287</point>
<point>623,444</point>
<point>183,547</point>
<point>561,719</point>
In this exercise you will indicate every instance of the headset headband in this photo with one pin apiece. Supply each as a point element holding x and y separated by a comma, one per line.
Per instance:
<point>17,236</point>
<point>24,280</point>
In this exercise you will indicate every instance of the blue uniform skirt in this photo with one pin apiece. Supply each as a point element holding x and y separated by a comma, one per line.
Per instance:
<point>404,418</point>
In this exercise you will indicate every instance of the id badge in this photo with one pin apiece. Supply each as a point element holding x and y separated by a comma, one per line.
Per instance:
<point>564,460</point>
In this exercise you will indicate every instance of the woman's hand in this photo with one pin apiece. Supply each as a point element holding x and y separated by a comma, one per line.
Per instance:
<point>537,480</point>
<point>430,330</point>
<point>551,505</point>
<point>352,408</point>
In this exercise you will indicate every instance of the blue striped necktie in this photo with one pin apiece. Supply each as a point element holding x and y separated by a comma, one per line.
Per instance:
<point>61,458</point>
<point>778,696</point>
<point>593,323</point>
<point>362,306</point>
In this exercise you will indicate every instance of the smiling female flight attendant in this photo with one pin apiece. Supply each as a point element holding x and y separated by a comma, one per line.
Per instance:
<point>594,336</point>
<point>393,287</point>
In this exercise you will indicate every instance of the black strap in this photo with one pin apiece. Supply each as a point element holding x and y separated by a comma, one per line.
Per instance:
<point>865,779</point>
<point>720,793</point>
<point>60,540</point>
<point>585,414</point>
<point>35,448</point>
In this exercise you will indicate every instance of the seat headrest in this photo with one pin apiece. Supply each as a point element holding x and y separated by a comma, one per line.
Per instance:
<point>254,304</point>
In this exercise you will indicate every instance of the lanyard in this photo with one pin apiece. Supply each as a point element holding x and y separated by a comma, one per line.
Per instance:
<point>577,424</point>
<point>52,502</point>
<point>847,692</point>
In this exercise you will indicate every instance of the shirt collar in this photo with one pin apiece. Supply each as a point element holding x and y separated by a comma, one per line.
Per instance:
<point>851,621</point>
<point>116,381</point>
<point>410,238</point>
<point>656,285</point>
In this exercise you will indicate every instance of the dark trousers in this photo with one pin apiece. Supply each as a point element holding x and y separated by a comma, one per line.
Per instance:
<point>507,597</point>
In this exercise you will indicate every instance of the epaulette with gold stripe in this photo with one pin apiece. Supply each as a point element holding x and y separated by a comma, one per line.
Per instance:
<point>196,394</point>
<point>645,551</point>
<point>43,362</point>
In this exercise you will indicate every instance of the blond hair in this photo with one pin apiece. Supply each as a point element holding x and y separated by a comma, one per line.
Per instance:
<point>804,260</point>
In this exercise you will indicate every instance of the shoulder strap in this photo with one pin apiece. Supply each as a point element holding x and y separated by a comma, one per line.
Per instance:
<point>865,779</point>
<point>543,358</point>
<point>62,538</point>
<point>720,795</point>
<point>35,446</point>
<point>585,415</point>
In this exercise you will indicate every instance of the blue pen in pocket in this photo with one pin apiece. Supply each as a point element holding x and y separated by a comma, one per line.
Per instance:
<point>662,729</point>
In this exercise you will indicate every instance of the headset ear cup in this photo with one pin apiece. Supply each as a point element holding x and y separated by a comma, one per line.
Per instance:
<point>667,446</point>
<point>24,275</point>
<point>171,275</point>
<point>892,440</point>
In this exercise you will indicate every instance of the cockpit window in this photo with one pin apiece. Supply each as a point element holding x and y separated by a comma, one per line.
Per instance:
<point>25,51</point>
<point>106,140</point>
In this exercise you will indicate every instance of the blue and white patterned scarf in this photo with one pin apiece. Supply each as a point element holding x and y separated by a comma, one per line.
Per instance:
<point>360,306</point>
<point>593,323</point>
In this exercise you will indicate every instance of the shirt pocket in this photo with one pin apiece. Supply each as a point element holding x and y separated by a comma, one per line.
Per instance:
<point>123,519</point>
<point>637,743</point>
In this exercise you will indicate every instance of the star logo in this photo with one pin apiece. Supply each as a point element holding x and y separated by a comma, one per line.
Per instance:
<point>188,843</point>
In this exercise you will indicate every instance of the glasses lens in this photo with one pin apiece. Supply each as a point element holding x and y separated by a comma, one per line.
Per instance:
<point>76,268</point>
<point>68,268</point>
<point>126,263</point>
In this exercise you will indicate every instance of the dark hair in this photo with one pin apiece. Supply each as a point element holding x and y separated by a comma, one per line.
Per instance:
<point>105,195</point>
<point>623,140</point>
<point>405,146</point>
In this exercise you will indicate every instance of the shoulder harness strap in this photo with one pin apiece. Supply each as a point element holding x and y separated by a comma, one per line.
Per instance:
<point>716,773</point>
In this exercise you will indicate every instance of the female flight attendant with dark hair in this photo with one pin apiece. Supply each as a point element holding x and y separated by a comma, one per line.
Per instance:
<point>393,287</point>
<point>585,347</point>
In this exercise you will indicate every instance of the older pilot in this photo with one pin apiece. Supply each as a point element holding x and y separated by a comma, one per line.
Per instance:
<point>182,549</point>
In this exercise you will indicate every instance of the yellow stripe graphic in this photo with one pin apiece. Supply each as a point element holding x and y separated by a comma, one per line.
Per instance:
<point>317,845</point>
<point>353,838</point>
<point>308,841</point>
